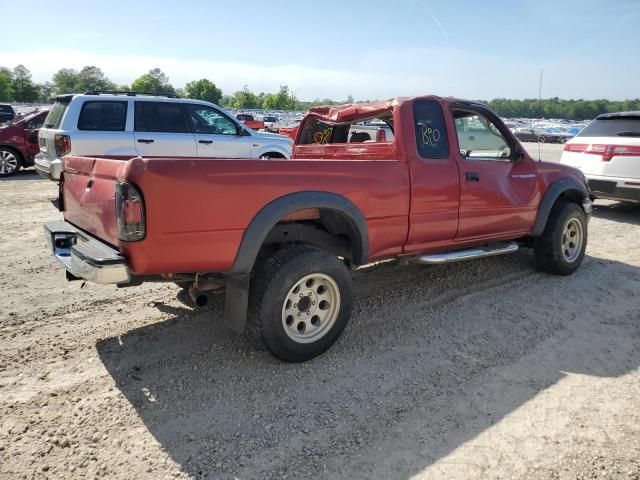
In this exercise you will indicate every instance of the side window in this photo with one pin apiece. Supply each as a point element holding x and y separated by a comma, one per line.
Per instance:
<point>431,131</point>
<point>36,122</point>
<point>479,138</point>
<point>208,120</point>
<point>160,117</point>
<point>104,116</point>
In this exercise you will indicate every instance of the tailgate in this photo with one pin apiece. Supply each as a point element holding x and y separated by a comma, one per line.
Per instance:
<point>89,195</point>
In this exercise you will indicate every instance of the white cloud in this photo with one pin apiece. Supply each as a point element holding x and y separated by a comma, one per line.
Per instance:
<point>376,73</point>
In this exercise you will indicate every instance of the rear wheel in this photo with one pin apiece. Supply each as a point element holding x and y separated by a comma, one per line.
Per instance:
<point>10,162</point>
<point>300,302</point>
<point>561,247</point>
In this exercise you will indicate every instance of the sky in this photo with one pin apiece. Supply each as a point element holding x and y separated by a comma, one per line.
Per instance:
<point>369,49</point>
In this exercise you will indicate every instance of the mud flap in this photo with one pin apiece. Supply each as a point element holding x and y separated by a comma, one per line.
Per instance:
<point>236,301</point>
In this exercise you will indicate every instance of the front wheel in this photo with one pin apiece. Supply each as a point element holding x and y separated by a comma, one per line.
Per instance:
<point>561,247</point>
<point>299,303</point>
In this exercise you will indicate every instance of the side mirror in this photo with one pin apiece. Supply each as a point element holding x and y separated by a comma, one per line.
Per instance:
<point>243,132</point>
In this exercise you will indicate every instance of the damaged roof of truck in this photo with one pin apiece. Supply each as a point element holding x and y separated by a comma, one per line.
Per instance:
<point>351,111</point>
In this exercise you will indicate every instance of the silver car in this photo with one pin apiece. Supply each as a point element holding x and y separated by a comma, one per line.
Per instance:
<point>127,124</point>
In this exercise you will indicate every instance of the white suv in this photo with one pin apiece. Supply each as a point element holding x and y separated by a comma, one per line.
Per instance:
<point>608,153</point>
<point>127,124</point>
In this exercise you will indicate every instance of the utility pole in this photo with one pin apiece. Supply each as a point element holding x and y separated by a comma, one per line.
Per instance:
<point>540,90</point>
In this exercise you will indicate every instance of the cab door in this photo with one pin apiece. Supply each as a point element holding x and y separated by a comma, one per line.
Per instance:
<point>435,184</point>
<point>499,188</point>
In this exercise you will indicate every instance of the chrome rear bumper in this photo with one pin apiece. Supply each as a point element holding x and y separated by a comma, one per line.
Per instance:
<point>84,256</point>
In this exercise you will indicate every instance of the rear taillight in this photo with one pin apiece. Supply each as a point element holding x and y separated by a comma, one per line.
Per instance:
<point>606,151</point>
<point>63,144</point>
<point>129,213</point>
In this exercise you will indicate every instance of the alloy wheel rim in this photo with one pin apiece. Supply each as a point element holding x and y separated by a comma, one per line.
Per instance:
<point>311,308</point>
<point>572,238</point>
<point>8,162</point>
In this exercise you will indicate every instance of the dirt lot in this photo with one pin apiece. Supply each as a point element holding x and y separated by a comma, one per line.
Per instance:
<point>486,369</point>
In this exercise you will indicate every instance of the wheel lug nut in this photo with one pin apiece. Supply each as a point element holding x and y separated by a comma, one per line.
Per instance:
<point>313,303</point>
<point>301,295</point>
<point>308,313</point>
<point>295,304</point>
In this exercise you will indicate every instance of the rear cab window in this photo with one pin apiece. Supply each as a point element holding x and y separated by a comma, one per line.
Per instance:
<point>430,128</point>
<point>372,130</point>
<point>6,109</point>
<point>104,116</point>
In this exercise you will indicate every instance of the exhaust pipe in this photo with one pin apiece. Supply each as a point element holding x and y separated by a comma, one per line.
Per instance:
<point>198,296</point>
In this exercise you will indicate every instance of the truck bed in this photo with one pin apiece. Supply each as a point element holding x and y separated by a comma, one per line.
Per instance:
<point>192,204</point>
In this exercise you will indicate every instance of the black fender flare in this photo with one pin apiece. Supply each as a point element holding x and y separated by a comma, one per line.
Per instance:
<point>557,188</point>
<point>238,278</point>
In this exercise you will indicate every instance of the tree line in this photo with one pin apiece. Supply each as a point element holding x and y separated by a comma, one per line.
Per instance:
<point>17,85</point>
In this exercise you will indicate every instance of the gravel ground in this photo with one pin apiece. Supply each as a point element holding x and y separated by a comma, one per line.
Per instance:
<point>484,369</point>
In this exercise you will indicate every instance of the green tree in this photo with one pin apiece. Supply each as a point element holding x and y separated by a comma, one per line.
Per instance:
<point>226,101</point>
<point>65,81</point>
<point>6,85</point>
<point>349,99</point>
<point>156,81</point>
<point>204,89</point>
<point>245,99</point>
<point>46,92</point>
<point>283,100</point>
<point>24,89</point>
<point>92,78</point>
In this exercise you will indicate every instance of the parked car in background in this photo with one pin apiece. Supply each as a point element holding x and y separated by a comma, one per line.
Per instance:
<point>250,121</point>
<point>6,112</point>
<point>557,134</point>
<point>281,236</point>
<point>608,153</point>
<point>270,122</point>
<point>127,124</point>
<point>290,130</point>
<point>19,142</point>
<point>527,134</point>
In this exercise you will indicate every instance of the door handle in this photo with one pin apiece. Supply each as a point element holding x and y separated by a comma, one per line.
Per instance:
<point>206,142</point>
<point>145,140</point>
<point>472,177</point>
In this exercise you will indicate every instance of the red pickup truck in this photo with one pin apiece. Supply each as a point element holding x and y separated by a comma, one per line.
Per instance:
<point>281,235</point>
